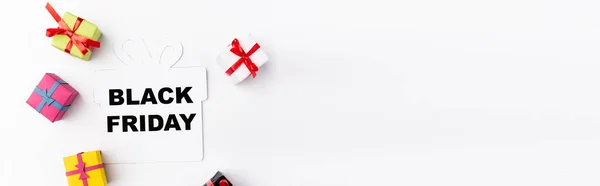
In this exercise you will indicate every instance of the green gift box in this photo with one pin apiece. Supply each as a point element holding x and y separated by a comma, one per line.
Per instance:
<point>79,34</point>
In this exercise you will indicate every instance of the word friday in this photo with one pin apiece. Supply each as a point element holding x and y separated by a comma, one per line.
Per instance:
<point>154,122</point>
<point>150,123</point>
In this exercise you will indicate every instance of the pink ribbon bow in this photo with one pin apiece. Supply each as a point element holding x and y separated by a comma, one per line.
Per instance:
<point>82,169</point>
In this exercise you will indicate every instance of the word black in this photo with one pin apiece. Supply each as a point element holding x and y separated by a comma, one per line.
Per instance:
<point>150,122</point>
<point>116,96</point>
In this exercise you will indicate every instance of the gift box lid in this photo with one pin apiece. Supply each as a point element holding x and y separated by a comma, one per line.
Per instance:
<point>226,58</point>
<point>64,94</point>
<point>86,29</point>
<point>90,158</point>
<point>94,169</point>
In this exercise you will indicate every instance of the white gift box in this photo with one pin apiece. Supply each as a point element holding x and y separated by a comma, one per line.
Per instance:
<point>227,59</point>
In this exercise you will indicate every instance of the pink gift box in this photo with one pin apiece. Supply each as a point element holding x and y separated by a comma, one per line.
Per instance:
<point>52,97</point>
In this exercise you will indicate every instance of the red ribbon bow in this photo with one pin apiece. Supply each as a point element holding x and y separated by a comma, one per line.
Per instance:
<point>223,182</point>
<point>82,169</point>
<point>82,43</point>
<point>237,49</point>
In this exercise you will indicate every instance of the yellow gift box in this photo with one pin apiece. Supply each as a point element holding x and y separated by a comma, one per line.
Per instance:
<point>79,28</point>
<point>85,169</point>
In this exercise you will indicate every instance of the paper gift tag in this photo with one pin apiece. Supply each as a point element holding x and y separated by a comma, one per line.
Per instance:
<point>152,110</point>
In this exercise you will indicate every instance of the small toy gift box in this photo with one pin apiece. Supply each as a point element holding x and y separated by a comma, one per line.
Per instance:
<point>241,59</point>
<point>218,180</point>
<point>52,97</point>
<point>85,169</point>
<point>74,35</point>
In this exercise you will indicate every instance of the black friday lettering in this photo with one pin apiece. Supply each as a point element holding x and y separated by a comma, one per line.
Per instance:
<point>153,122</point>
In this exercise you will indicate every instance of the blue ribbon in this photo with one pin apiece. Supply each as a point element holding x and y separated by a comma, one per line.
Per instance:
<point>47,97</point>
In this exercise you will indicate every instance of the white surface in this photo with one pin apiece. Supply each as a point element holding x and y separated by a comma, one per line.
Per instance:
<point>147,63</point>
<point>419,93</point>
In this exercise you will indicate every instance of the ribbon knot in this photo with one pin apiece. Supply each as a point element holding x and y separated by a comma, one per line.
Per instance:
<point>82,169</point>
<point>82,43</point>
<point>237,49</point>
<point>223,183</point>
<point>47,99</point>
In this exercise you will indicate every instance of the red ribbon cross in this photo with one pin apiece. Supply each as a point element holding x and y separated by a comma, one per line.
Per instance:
<point>82,43</point>
<point>237,49</point>
<point>82,169</point>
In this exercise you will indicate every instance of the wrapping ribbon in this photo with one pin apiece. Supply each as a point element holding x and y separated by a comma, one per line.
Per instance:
<point>82,43</point>
<point>47,97</point>
<point>237,49</point>
<point>223,182</point>
<point>82,169</point>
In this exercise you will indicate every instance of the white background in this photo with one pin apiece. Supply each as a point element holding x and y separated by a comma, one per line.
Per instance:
<point>416,93</point>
